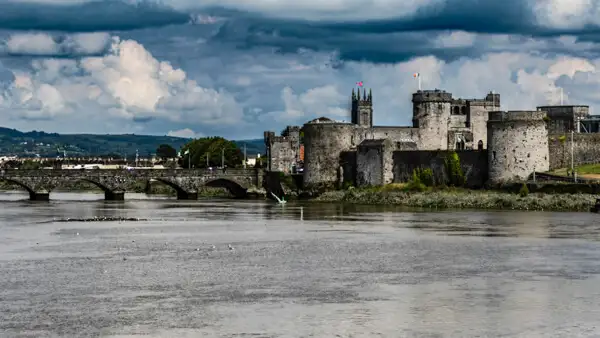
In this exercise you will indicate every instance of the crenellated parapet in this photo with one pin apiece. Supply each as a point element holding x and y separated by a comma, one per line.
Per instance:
<point>437,95</point>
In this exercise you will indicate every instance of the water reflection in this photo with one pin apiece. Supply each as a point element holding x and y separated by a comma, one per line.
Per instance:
<point>341,270</point>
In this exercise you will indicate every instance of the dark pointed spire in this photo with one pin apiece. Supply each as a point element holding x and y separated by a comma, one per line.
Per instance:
<point>370,95</point>
<point>353,94</point>
<point>358,96</point>
<point>365,93</point>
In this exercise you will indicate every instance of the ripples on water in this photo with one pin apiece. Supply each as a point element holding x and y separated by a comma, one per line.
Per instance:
<point>312,270</point>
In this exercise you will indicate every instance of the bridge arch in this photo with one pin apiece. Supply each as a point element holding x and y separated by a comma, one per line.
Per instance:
<point>30,190</point>
<point>233,187</point>
<point>72,183</point>
<point>180,191</point>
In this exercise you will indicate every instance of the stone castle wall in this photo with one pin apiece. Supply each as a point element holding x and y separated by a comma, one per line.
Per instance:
<point>323,144</point>
<point>562,119</point>
<point>374,164</point>
<point>433,118</point>
<point>517,145</point>
<point>586,149</point>
<point>474,165</point>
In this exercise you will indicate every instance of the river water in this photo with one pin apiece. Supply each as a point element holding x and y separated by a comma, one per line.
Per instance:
<point>301,270</point>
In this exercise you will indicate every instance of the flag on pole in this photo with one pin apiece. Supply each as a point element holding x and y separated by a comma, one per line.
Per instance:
<point>179,154</point>
<point>418,77</point>
<point>360,83</point>
<point>186,152</point>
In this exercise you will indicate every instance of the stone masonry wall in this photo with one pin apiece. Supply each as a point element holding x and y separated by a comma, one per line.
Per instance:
<point>374,164</point>
<point>474,165</point>
<point>478,117</point>
<point>561,119</point>
<point>586,149</point>
<point>369,166</point>
<point>517,145</point>
<point>433,119</point>
<point>323,144</point>
<point>283,154</point>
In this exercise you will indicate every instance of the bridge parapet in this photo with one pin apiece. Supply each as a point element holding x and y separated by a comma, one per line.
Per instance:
<point>114,182</point>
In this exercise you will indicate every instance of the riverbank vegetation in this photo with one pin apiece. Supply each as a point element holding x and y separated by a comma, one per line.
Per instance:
<point>414,195</point>
<point>425,190</point>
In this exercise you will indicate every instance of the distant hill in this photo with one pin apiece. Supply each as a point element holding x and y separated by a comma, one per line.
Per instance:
<point>34,143</point>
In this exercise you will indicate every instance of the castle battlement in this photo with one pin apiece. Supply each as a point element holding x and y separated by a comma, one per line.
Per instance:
<point>436,95</point>
<point>501,145</point>
<point>516,115</point>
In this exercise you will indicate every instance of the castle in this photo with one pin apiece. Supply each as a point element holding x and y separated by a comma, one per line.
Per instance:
<point>494,146</point>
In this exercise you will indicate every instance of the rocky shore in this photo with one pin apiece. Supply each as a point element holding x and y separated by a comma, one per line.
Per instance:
<point>463,199</point>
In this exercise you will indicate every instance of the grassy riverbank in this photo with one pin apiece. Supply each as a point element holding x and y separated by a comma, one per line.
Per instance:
<point>398,194</point>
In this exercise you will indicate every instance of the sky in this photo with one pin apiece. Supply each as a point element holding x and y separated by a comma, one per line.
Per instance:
<point>235,68</point>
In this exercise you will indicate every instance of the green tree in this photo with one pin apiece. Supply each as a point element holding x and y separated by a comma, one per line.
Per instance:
<point>454,172</point>
<point>212,147</point>
<point>165,151</point>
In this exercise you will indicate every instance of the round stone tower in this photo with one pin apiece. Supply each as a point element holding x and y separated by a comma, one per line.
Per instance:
<point>517,145</point>
<point>431,114</point>
<point>324,141</point>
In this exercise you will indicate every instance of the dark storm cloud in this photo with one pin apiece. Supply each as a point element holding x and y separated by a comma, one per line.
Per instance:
<point>390,44</point>
<point>87,17</point>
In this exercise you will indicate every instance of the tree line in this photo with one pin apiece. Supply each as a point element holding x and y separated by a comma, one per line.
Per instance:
<point>204,152</point>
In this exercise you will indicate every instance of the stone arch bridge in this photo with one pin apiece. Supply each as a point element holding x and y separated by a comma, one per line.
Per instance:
<point>114,182</point>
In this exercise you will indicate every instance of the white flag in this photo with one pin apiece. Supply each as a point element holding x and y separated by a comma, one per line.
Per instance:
<point>187,152</point>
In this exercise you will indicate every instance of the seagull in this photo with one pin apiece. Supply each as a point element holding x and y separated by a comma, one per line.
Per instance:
<point>280,201</point>
<point>230,247</point>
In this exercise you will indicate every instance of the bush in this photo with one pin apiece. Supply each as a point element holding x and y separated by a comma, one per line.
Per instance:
<point>454,172</point>
<point>416,186</point>
<point>424,176</point>
<point>524,191</point>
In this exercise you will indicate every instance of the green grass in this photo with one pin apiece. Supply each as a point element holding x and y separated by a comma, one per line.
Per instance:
<point>586,169</point>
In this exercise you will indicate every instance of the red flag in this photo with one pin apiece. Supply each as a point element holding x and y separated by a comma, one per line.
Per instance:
<point>360,83</point>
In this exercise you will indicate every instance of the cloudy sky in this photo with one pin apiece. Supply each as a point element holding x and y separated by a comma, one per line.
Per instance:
<point>236,67</point>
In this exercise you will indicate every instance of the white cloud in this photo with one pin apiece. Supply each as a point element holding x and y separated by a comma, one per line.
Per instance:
<point>315,102</point>
<point>566,13</point>
<point>46,44</point>
<point>128,82</point>
<point>455,40</point>
<point>114,92</point>
<point>185,133</point>
<point>318,10</point>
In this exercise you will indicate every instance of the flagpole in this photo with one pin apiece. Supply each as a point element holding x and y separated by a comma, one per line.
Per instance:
<point>419,79</point>
<point>561,96</point>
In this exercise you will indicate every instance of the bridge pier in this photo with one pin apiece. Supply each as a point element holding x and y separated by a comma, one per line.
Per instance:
<point>114,195</point>
<point>184,195</point>
<point>39,196</point>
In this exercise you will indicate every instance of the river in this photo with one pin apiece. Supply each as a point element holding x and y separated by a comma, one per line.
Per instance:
<point>300,270</point>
